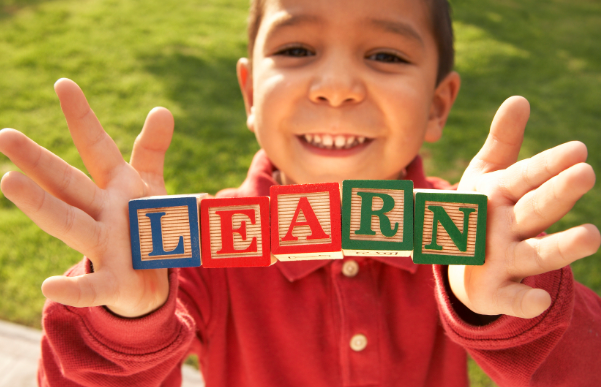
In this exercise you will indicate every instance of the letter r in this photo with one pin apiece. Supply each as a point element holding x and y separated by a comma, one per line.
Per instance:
<point>367,212</point>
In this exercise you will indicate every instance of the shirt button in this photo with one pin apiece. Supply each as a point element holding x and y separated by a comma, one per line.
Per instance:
<point>358,342</point>
<point>350,268</point>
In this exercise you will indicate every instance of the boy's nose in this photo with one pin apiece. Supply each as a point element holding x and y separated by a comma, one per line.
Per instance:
<point>336,86</point>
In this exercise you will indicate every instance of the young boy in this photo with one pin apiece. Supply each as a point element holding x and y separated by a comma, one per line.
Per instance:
<point>343,89</point>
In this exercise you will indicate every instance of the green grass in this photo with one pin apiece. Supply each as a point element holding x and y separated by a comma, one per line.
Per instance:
<point>130,56</point>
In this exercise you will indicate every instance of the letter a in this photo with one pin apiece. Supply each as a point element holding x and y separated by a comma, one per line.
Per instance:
<point>310,220</point>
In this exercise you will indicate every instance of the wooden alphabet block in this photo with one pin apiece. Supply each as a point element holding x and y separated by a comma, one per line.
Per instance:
<point>164,231</point>
<point>235,232</point>
<point>450,227</point>
<point>377,217</point>
<point>305,221</point>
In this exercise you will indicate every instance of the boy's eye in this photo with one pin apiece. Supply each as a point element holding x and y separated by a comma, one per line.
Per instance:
<point>386,57</point>
<point>295,52</point>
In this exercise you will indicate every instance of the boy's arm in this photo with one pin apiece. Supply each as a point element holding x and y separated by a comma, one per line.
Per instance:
<point>85,333</point>
<point>92,346</point>
<point>557,348</point>
<point>551,336</point>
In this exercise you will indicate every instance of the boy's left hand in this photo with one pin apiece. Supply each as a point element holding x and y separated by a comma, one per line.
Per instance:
<point>524,199</point>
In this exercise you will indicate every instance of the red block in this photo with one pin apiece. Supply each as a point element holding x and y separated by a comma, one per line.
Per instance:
<point>305,221</point>
<point>235,232</point>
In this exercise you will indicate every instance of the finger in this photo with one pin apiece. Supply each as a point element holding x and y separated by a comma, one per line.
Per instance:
<point>81,291</point>
<point>148,155</point>
<point>53,174</point>
<point>97,149</point>
<point>519,300</point>
<point>503,143</point>
<point>552,252</point>
<point>529,174</point>
<point>539,209</point>
<point>67,223</point>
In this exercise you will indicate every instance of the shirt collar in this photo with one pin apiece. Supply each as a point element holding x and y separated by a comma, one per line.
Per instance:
<point>260,178</point>
<point>299,269</point>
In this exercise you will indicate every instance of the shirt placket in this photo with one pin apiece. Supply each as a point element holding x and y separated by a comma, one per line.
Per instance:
<point>356,291</point>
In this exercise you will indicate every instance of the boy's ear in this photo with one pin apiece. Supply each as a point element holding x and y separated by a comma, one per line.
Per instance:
<point>246,86</point>
<point>442,101</point>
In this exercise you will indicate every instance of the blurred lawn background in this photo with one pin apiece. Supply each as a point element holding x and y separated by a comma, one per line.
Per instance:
<point>129,56</point>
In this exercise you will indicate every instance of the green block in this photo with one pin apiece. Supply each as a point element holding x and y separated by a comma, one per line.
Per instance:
<point>377,217</point>
<point>450,227</point>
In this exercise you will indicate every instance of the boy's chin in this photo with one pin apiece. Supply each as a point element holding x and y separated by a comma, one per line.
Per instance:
<point>311,168</point>
<point>324,175</point>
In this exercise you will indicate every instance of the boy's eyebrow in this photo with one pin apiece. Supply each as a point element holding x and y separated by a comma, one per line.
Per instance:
<point>288,20</point>
<point>396,27</point>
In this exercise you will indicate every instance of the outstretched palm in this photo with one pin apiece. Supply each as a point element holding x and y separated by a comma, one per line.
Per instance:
<point>525,198</point>
<point>91,216</point>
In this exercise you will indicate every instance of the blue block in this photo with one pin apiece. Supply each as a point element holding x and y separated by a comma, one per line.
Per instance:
<point>165,231</point>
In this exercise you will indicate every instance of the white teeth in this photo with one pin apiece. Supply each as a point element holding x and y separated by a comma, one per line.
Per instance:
<point>328,141</point>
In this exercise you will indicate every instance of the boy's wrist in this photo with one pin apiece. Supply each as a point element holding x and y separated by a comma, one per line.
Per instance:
<point>507,331</point>
<point>116,331</point>
<point>466,314</point>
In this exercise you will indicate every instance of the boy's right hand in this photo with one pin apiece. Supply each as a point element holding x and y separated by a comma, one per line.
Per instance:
<point>92,216</point>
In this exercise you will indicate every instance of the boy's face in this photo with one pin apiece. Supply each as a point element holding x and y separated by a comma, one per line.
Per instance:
<point>345,89</point>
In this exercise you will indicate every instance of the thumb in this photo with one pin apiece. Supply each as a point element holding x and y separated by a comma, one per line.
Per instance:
<point>503,143</point>
<point>519,300</point>
<point>80,291</point>
<point>148,155</point>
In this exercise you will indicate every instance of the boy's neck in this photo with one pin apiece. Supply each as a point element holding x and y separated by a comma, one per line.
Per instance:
<point>281,178</point>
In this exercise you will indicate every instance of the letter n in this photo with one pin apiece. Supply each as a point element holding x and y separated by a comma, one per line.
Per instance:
<point>450,227</point>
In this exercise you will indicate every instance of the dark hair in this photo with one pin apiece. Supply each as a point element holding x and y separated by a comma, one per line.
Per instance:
<point>440,17</point>
<point>442,27</point>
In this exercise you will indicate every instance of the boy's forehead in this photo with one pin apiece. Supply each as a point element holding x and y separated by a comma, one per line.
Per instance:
<point>404,16</point>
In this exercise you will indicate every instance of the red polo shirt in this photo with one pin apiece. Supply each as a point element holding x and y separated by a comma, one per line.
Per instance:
<point>359,321</point>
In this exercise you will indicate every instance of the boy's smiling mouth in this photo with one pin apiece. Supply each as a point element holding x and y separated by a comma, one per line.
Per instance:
<point>333,142</point>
